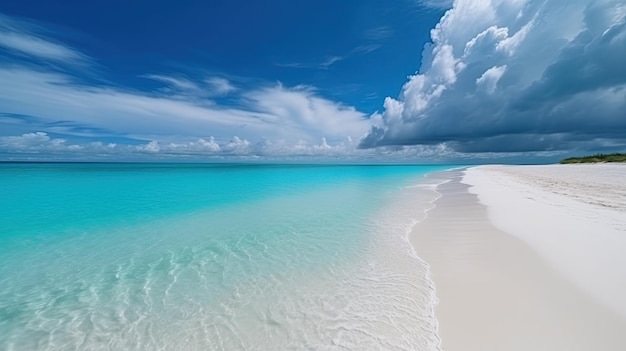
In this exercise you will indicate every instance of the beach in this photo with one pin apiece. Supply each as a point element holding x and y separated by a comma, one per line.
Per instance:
<point>228,257</point>
<point>528,257</point>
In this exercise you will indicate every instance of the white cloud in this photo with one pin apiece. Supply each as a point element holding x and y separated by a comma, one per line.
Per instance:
<point>152,146</point>
<point>40,146</point>
<point>220,86</point>
<point>379,33</point>
<point>17,37</point>
<point>437,4</point>
<point>209,145</point>
<point>30,140</point>
<point>209,87</point>
<point>515,74</point>
<point>175,82</point>
<point>489,80</point>
<point>200,146</point>
<point>42,143</point>
<point>329,61</point>
<point>510,44</point>
<point>273,112</point>
<point>526,74</point>
<point>237,146</point>
<point>299,108</point>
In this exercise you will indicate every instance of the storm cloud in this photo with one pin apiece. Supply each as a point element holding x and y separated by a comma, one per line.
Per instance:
<point>513,76</point>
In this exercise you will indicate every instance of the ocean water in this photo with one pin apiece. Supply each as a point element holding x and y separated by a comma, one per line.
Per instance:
<point>213,257</point>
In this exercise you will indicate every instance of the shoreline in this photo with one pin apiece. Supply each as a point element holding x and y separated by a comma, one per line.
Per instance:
<point>495,290</point>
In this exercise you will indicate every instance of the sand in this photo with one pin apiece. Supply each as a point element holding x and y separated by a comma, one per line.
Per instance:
<point>530,263</point>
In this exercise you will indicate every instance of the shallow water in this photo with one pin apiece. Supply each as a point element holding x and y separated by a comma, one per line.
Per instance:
<point>213,257</point>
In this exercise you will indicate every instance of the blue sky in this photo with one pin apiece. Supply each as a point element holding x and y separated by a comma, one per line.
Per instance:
<point>325,44</point>
<point>312,80</point>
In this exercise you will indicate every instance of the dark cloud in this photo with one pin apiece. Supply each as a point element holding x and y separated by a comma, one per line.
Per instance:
<point>516,77</point>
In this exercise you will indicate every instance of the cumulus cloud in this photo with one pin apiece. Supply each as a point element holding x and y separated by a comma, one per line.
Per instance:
<point>42,146</point>
<point>490,78</point>
<point>32,140</point>
<point>522,75</point>
<point>40,143</point>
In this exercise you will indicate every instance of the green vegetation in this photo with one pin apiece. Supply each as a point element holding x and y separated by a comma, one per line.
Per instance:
<point>596,158</point>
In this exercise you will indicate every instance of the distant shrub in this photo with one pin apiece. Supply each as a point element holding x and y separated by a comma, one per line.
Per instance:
<point>615,157</point>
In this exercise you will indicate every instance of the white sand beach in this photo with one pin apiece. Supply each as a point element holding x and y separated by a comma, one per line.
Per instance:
<point>529,257</point>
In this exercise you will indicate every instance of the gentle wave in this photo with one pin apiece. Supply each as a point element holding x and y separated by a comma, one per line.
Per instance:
<point>255,276</point>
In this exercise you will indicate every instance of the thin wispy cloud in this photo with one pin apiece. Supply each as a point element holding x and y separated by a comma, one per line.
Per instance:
<point>374,37</point>
<point>366,49</point>
<point>220,86</point>
<point>321,64</point>
<point>300,113</point>
<point>294,65</point>
<point>379,33</point>
<point>437,4</point>
<point>206,88</point>
<point>174,82</point>
<point>330,61</point>
<point>21,38</point>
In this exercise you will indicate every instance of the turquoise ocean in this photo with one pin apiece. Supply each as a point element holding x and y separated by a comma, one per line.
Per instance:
<point>214,257</point>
